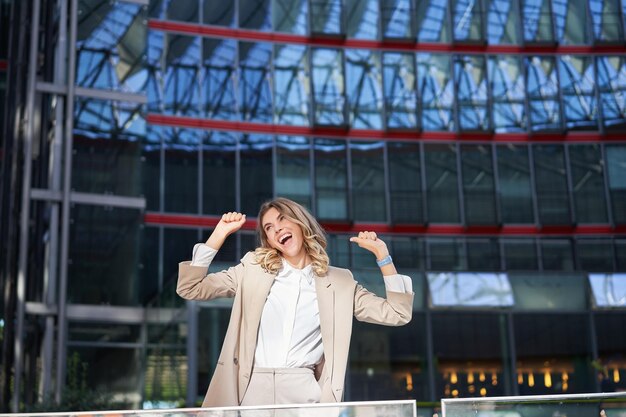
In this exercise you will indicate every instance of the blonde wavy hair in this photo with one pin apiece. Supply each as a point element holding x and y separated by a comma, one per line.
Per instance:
<point>314,237</point>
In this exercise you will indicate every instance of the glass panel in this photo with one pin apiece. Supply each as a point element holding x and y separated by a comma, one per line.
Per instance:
<point>400,93</point>
<point>478,184</point>
<point>328,86</point>
<point>552,353</point>
<point>256,176</point>
<point>612,91</point>
<point>326,17</point>
<point>293,169</point>
<point>151,281</point>
<point>570,17</point>
<point>465,289</point>
<point>446,254</point>
<point>255,91</point>
<point>362,18</point>
<point>436,91</point>
<point>470,352</point>
<point>595,255</point>
<point>182,75</point>
<point>616,172</point>
<point>397,18</point>
<point>520,254</point>
<point>154,87</point>
<point>442,183</point>
<point>387,362</point>
<point>432,21</point>
<point>543,93</point>
<point>365,97</point>
<point>107,138</point>
<point>620,254</point>
<point>606,20</point>
<point>368,181</point>
<point>578,89</point>
<point>587,165</point>
<point>5,17</point>
<point>291,85</point>
<point>219,79</point>
<point>514,184</point>
<point>181,171</point>
<point>609,290</point>
<point>151,157</point>
<point>111,46</point>
<point>537,23</point>
<point>255,14</point>
<point>611,341</point>
<point>331,179</point>
<point>290,16</point>
<point>179,244</point>
<point>551,184</point>
<point>220,13</point>
<point>556,254</point>
<point>508,94</point>
<point>104,246</point>
<point>103,332</point>
<point>339,250</point>
<point>405,185</point>
<point>483,255</point>
<point>219,155</point>
<point>185,10</point>
<point>210,337</point>
<point>502,22</point>
<point>467,20</point>
<point>408,253</point>
<point>471,83</point>
<point>165,377</point>
<point>551,291</point>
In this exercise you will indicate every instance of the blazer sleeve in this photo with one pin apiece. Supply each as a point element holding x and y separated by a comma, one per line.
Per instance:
<point>395,310</point>
<point>195,284</point>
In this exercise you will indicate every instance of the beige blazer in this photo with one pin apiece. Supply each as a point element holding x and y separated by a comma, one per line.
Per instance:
<point>339,298</point>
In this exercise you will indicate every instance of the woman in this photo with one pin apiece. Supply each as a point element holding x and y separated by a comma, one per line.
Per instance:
<point>289,332</point>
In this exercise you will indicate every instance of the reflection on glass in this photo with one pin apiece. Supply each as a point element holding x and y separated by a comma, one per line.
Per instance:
<point>219,154</point>
<point>520,254</point>
<point>551,184</point>
<point>220,13</point>
<point>611,371</point>
<point>362,18</point>
<point>557,255</point>
<point>502,22</point>
<point>331,179</point>
<point>219,79</point>
<point>470,78</point>
<point>255,14</point>
<point>155,82</point>
<point>255,91</point>
<point>181,170</point>
<point>328,86</point>
<point>363,80</point>
<point>570,17</point>
<point>442,183</point>
<point>543,93</point>
<point>107,147</point>
<point>290,16</point>
<point>549,291</point>
<point>506,77</point>
<point>609,290</point>
<point>616,172</point>
<point>537,22</point>
<point>397,18</point>
<point>184,10</point>
<point>471,289</point>
<point>182,75</point>
<point>293,169</point>
<point>595,255</point>
<point>399,83</point>
<point>436,91</point>
<point>478,184</point>
<point>606,20</point>
<point>587,166</point>
<point>111,46</point>
<point>256,172</point>
<point>432,21</point>
<point>368,181</point>
<point>326,17</point>
<point>467,19</point>
<point>578,89</point>
<point>612,91</point>
<point>104,246</point>
<point>165,377</point>
<point>291,85</point>
<point>405,183</point>
<point>446,254</point>
<point>515,189</point>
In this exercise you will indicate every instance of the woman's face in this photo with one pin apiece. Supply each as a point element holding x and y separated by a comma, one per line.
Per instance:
<point>283,235</point>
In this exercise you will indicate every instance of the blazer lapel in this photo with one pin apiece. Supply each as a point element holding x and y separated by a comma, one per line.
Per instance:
<point>326,304</point>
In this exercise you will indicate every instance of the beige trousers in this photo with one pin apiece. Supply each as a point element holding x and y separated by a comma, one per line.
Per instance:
<point>270,386</point>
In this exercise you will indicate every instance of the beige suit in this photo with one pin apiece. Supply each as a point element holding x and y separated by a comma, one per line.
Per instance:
<point>339,298</point>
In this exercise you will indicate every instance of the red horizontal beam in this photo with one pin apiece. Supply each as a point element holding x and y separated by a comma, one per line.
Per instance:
<point>3,65</point>
<point>391,45</point>
<point>371,134</point>
<point>161,219</point>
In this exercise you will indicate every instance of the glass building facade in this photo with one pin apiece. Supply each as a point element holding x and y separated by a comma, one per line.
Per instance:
<point>485,141</point>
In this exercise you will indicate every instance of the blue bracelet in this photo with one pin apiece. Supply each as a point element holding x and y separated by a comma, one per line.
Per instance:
<point>385,261</point>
